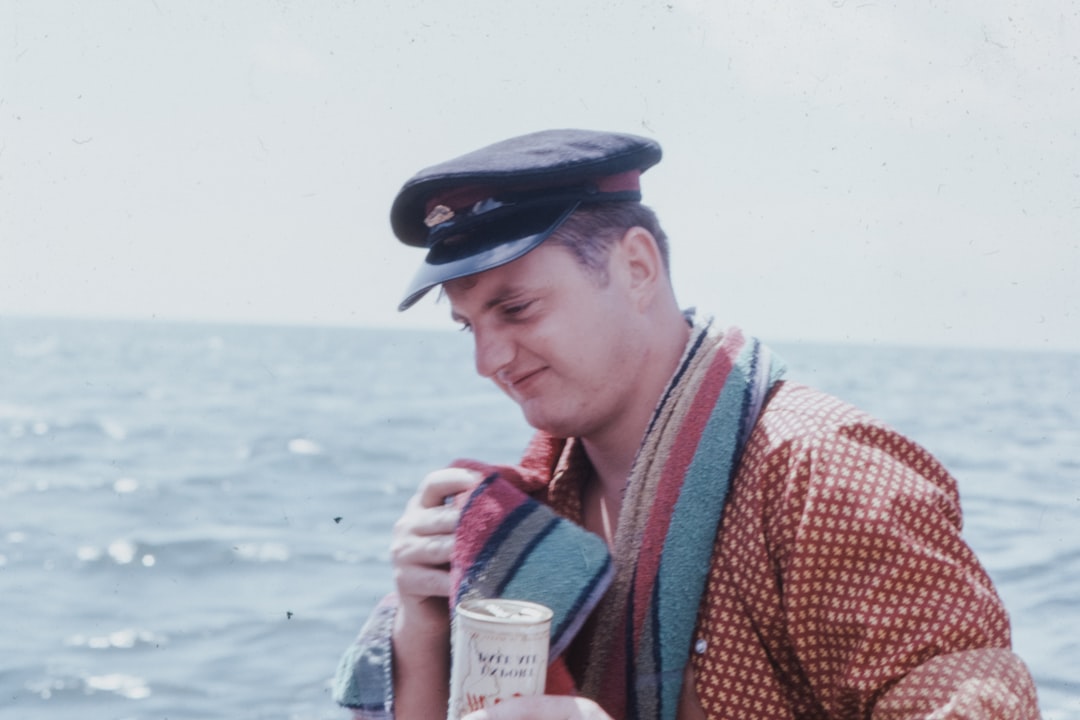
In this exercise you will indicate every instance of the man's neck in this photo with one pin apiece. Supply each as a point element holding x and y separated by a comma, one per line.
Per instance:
<point>612,453</point>
<point>611,464</point>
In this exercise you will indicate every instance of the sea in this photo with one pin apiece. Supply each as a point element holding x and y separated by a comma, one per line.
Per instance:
<point>195,518</point>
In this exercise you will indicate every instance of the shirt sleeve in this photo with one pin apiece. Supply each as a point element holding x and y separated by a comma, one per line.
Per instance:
<point>888,608</point>
<point>969,685</point>
<point>364,682</point>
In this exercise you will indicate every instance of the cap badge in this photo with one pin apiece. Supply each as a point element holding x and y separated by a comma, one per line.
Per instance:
<point>438,215</point>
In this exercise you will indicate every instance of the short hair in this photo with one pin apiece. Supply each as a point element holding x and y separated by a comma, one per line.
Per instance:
<point>591,230</point>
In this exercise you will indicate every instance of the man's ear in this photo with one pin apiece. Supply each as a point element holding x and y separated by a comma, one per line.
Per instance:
<point>642,262</point>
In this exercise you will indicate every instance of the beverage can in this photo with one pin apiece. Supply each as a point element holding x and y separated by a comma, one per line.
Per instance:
<point>499,651</point>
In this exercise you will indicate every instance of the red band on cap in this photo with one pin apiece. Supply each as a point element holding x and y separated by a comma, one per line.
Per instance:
<point>623,182</point>
<point>458,199</point>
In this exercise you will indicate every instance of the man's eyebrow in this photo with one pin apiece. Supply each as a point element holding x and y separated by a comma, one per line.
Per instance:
<point>502,294</point>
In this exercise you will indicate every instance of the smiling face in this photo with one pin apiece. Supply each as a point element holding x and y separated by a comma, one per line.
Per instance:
<point>564,346</point>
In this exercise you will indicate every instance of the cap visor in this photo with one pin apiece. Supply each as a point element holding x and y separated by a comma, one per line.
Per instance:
<point>498,247</point>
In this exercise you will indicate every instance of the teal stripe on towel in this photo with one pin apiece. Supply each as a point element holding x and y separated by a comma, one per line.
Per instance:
<point>684,563</point>
<point>562,571</point>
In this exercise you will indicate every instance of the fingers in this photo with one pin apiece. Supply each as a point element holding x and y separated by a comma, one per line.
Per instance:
<point>541,707</point>
<point>427,513</point>
<point>441,484</point>
<point>421,571</point>
<point>424,535</point>
<point>426,521</point>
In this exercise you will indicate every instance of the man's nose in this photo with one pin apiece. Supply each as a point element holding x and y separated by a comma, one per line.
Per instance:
<point>494,351</point>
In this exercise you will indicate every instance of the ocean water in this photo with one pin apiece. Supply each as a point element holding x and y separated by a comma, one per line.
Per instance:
<point>194,519</point>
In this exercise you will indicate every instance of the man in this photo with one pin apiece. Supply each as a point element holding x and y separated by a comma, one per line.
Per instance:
<point>776,553</point>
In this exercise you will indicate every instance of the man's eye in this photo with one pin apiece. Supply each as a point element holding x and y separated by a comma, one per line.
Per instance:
<point>516,309</point>
<point>465,327</point>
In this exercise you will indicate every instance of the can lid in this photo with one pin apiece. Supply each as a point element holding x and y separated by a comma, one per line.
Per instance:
<point>515,612</point>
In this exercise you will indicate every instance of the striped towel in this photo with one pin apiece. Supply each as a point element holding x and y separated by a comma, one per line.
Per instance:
<point>670,516</point>
<point>510,545</point>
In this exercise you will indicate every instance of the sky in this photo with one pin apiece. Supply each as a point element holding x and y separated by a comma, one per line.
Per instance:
<point>834,170</point>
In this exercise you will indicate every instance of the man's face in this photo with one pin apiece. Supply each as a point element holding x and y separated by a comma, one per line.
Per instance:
<point>559,343</point>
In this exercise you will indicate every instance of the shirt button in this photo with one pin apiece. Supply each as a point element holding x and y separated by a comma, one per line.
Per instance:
<point>700,646</point>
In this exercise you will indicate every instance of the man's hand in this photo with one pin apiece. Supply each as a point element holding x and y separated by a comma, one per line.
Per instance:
<point>420,551</point>
<point>542,707</point>
<point>424,536</point>
<point>420,554</point>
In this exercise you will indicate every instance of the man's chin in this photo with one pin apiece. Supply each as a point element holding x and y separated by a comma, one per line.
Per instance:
<point>542,420</point>
<point>554,426</point>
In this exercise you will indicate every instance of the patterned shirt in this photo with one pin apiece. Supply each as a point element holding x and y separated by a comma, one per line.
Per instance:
<point>840,586</point>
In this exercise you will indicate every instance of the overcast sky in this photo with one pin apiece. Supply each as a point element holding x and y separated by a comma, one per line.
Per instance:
<point>834,170</point>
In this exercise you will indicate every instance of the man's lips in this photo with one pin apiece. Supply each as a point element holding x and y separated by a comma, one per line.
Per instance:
<point>520,381</point>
